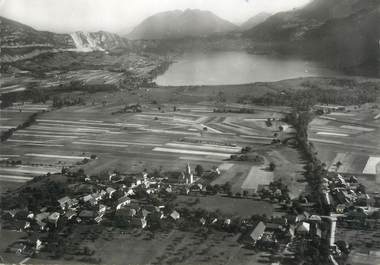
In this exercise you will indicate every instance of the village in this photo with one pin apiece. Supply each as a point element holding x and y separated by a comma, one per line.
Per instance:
<point>48,212</point>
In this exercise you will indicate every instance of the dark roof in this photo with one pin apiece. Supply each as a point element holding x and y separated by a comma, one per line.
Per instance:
<point>273,226</point>
<point>87,214</point>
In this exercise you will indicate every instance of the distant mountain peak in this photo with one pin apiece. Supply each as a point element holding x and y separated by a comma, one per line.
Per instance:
<point>178,24</point>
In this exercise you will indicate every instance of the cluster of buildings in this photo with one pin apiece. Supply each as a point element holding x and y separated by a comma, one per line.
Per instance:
<point>295,235</point>
<point>348,200</point>
<point>93,200</point>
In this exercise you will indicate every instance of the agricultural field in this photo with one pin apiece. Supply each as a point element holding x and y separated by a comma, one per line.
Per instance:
<point>366,245</point>
<point>348,142</point>
<point>158,138</point>
<point>10,118</point>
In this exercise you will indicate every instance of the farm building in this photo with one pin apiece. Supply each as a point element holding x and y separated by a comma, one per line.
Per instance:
<point>257,233</point>
<point>175,215</point>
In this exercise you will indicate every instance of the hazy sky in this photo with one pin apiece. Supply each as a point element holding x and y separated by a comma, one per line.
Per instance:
<point>123,15</point>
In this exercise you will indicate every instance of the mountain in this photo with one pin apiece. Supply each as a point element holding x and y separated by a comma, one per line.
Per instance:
<point>15,34</point>
<point>343,32</point>
<point>19,41</point>
<point>294,25</point>
<point>179,24</point>
<point>254,21</point>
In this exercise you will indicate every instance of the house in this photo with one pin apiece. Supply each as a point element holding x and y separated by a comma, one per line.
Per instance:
<point>93,201</point>
<point>102,209</point>
<point>303,228</point>
<point>169,189</point>
<point>30,215</point>
<point>103,193</point>
<point>329,108</point>
<point>267,240</point>
<point>38,245</point>
<point>10,213</point>
<point>318,232</point>
<point>42,225</point>
<point>27,225</point>
<point>87,214</point>
<point>121,202</point>
<point>340,208</point>
<point>41,216</point>
<point>70,214</point>
<point>175,215</point>
<point>150,191</point>
<point>315,218</point>
<point>274,227</point>
<point>130,192</point>
<point>290,233</point>
<point>144,213</point>
<point>112,176</point>
<point>110,191</point>
<point>63,201</point>
<point>257,232</point>
<point>138,222</point>
<point>132,212</point>
<point>72,203</point>
<point>97,196</point>
<point>87,198</point>
<point>341,180</point>
<point>53,218</point>
<point>357,213</point>
<point>98,219</point>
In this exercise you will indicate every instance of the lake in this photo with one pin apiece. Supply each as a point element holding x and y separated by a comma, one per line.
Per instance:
<point>217,68</point>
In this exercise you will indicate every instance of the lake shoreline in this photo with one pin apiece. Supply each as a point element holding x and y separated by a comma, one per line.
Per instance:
<point>283,81</point>
<point>237,67</point>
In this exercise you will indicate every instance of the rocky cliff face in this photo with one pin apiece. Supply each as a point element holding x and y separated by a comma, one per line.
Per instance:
<point>98,41</point>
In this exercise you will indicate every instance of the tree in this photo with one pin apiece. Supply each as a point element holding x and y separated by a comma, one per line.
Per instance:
<point>246,149</point>
<point>272,166</point>
<point>221,97</point>
<point>338,165</point>
<point>227,187</point>
<point>268,122</point>
<point>361,188</point>
<point>199,170</point>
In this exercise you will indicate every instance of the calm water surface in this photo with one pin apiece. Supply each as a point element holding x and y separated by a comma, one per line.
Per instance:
<point>218,68</point>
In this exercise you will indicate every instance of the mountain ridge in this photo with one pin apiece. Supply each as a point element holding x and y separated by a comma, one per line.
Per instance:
<point>254,21</point>
<point>177,24</point>
<point>341,32</point>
